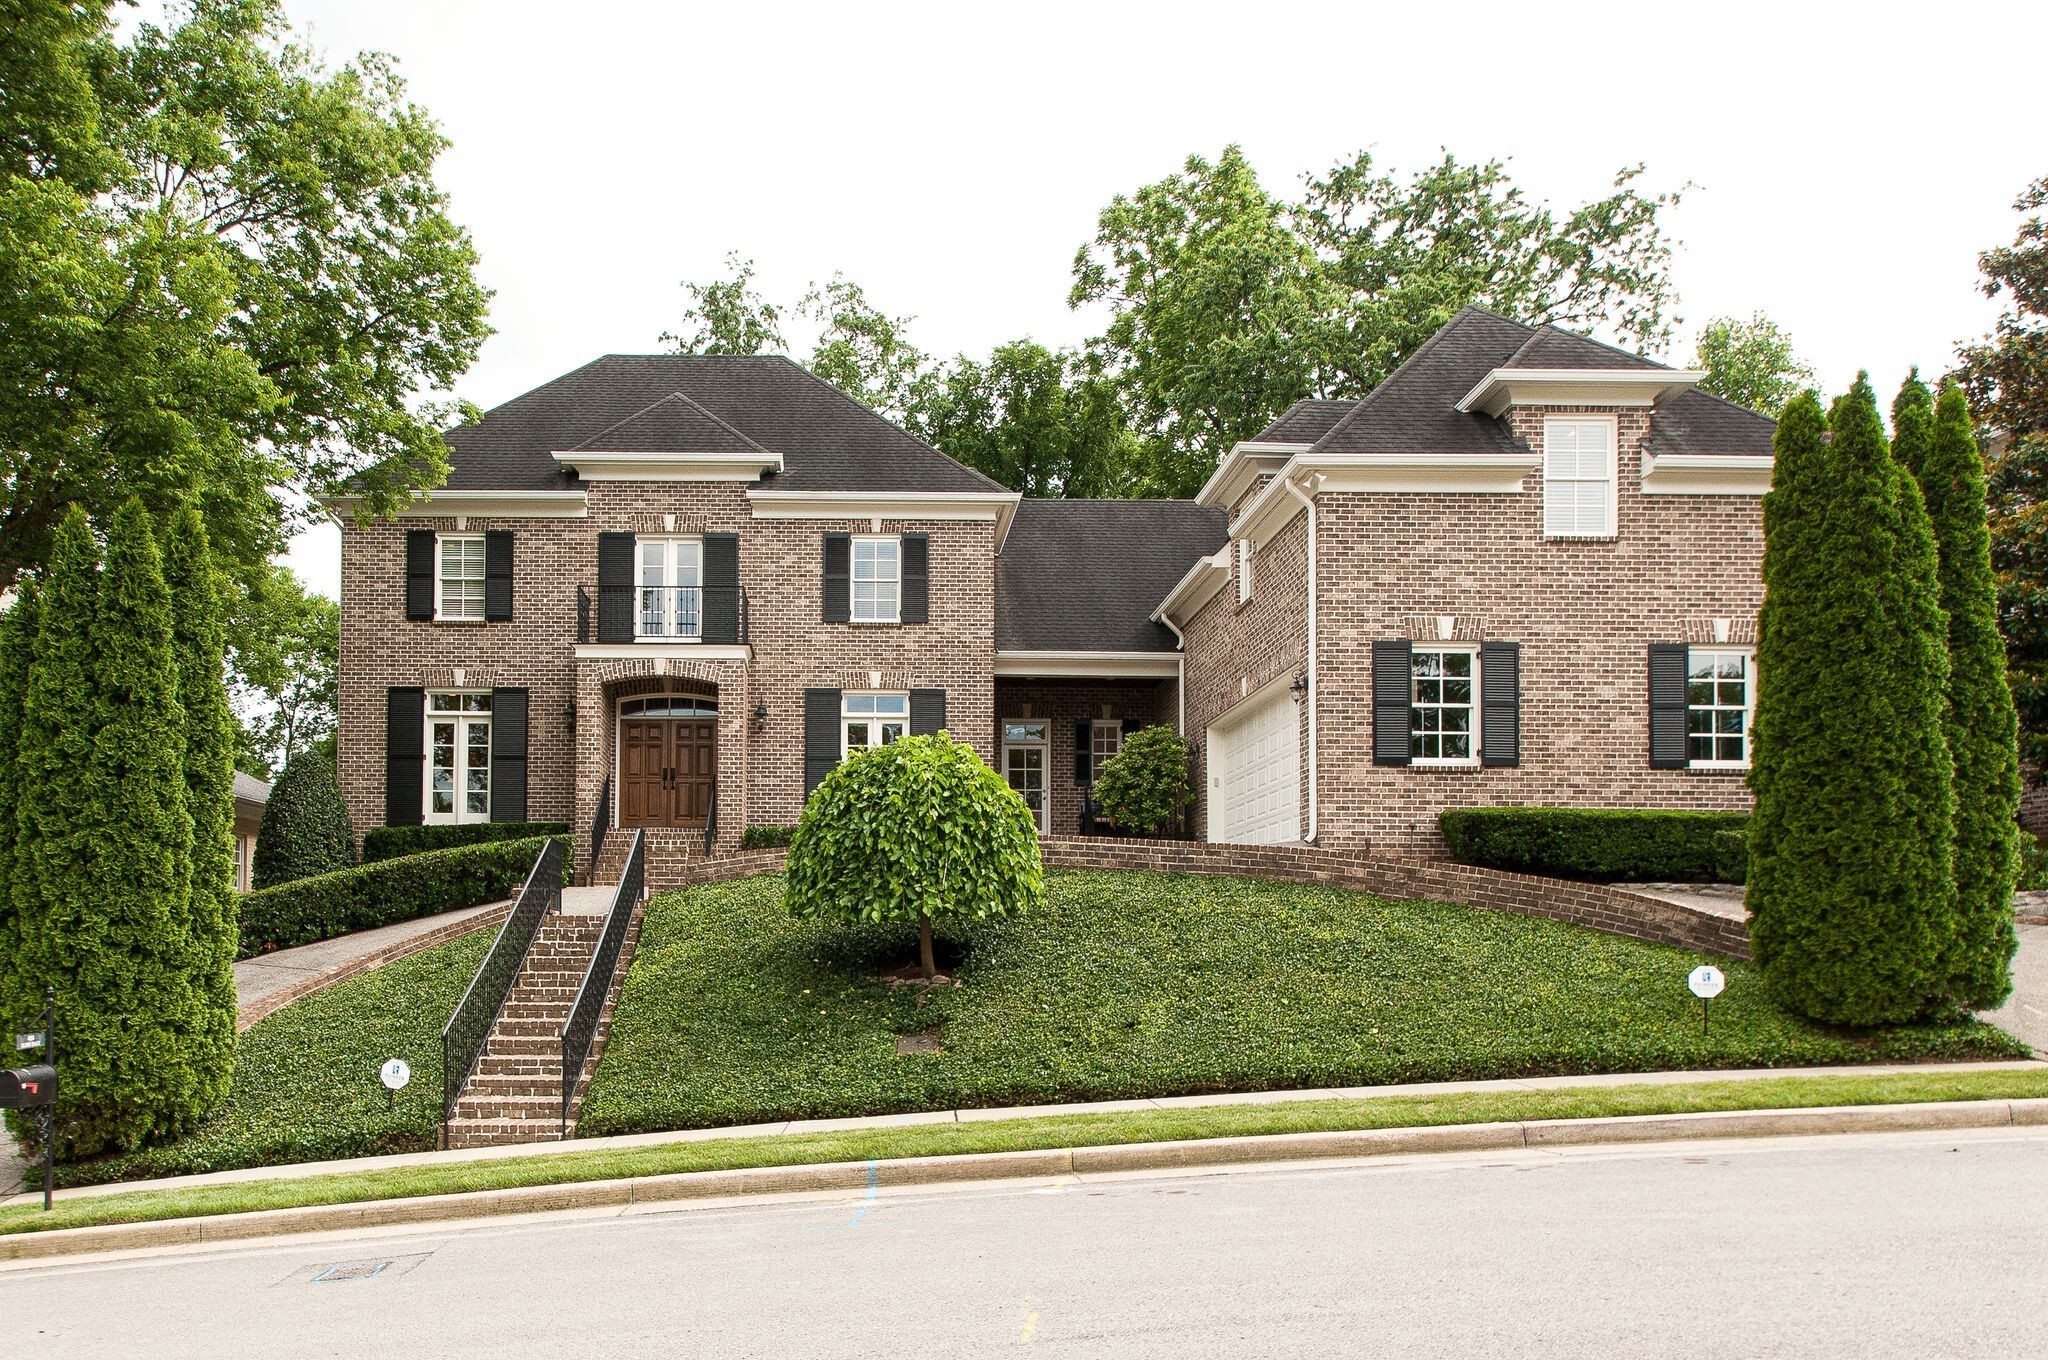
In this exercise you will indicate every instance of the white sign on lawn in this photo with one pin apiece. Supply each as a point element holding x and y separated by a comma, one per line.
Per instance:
<point>1706,981</point>
<point>395,1074</point>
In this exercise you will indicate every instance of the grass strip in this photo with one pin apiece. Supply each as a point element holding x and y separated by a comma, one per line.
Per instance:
<point>1010,1135</point>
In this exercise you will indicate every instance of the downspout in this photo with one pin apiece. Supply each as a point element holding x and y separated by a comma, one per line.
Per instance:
<point>1308,504</point>
<point>1180,679</point>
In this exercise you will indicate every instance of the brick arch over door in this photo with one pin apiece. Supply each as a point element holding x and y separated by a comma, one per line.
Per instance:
<point>665,752</point>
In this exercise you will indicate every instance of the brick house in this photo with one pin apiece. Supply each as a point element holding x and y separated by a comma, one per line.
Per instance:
<point>672,591</point>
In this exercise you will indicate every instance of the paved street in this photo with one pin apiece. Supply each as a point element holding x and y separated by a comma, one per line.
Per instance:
<point>1895,1245</point>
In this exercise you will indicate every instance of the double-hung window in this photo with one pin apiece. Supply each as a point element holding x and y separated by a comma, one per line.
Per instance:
<point>1105,739</point>
<point>1245,547</point>
<point>458,757</point>
<point>1720,700</point>
<point>1443,706</point>
<point>1578,477</point>
<point>870,720</point>
<point>459,577</point>
<point>877,580</point>
<point>670,601</point>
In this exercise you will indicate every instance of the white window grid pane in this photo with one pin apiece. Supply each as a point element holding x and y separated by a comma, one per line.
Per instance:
<point>1442,698</point>
<point>1105,740</point>
<point>1578,488</point>
<point>1717,693</point>
<point>670,596</point>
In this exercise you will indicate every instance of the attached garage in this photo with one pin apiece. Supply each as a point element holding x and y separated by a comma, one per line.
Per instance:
<point>1255,772</point>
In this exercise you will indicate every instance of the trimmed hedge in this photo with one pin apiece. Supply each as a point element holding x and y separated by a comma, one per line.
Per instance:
<point>391,842</point>
<point>767,837</point>
<point>1601,844</point>
<point>402,889</point>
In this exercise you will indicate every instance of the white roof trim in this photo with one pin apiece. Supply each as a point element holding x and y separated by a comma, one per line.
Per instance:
<point>1197,587</point>
<point>1706,474</point>
<point>1089,665</point>
<point>595,465</point>
<point>1505,387</point>
<point>1496,474</point>
<point>494,504</point>
<point>1000,506</point>
<point>1246,459</point>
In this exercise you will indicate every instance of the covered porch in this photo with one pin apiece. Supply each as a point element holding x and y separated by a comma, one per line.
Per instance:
<point>1053,733</point>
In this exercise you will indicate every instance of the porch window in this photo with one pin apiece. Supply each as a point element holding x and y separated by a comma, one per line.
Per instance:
<point>459,573</point>
<point>1105,739</point>
<point>671,594</point>
<point>871,720</point>
<point>877,580</point>
<point>458,757</point>
<point>1443,699</point>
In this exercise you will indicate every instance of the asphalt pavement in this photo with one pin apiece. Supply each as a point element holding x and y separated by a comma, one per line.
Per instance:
<point>1866,1245</point>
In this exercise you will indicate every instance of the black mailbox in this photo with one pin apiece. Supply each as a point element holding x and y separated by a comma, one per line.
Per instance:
<point>26,1087</point>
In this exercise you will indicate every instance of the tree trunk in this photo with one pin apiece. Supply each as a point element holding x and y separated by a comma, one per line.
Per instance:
<point>924,945</point>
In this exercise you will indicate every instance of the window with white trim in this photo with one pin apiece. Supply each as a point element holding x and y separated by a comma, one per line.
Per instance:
<point>870,720</point>
<point>459,576</point>
<point>1578,477</point>
<point>877,580</point>
<point>1105,739</point>
<point>1245,548</point>
<point>458,757</point>
<point>1720,701</point>
<point>1443,706</point>
<point>670,601</point>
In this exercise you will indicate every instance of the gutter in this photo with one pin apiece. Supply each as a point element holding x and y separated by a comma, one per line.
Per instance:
<point>1314,783</point>
<point>1180,677</point>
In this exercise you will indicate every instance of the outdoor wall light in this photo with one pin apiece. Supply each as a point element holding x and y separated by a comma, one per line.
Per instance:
<point>760,713</point>
<point>569,716</point>
<point>1299,685</point>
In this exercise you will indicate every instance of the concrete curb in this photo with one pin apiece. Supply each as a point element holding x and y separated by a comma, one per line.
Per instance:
<point>1050,1162</point>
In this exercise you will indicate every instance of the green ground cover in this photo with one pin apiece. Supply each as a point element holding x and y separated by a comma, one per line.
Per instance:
<point>1152,984</point>
<point>306,1086</point>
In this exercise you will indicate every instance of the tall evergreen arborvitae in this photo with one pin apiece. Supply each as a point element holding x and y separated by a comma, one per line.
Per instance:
<point>199,647</point>
<point>1982,727</point>
<point>1913,426</point>
<point>17,647</point>
<point>1850,878</point>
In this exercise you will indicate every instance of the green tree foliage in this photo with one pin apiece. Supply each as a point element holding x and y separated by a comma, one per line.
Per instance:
<point>863,351</point>
<point>1144,786</point>
<point>224,268</point>
<point>912,831</point>
<point>199,648</point>
<point>1850,886</point>
<point>1751,363</point>
<point>727,316</point>
<point>285,648</point>
<point>1982,727</point>
<point>17,651</point>
<point>1036,420</point>
<point>305,828</point>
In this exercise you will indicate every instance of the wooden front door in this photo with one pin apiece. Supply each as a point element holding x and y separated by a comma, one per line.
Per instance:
<point>667,767</point>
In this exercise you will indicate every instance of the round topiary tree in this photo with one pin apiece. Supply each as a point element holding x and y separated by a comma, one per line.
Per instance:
<point>1144,786</point>
<point>917,829</point>
<point>305,827</point>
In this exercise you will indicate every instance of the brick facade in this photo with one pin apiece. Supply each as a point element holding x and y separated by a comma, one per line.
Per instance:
<point>1060,703</point>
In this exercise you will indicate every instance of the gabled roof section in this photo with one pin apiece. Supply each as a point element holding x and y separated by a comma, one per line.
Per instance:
<point>1306,421</point>
<point>1085,576</point>
<point>828,441</point>
<point>1414,410</point>
<point>1696,422</point>
<point>1550,347</point>
<point>675,424</point>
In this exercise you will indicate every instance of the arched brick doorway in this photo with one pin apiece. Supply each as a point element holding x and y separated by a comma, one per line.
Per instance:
<point>667,762</point>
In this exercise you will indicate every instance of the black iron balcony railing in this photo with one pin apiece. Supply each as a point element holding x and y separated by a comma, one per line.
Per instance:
<point>710,614</point>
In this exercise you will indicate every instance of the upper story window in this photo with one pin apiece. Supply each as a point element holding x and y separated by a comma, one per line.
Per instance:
<point>670,598</point>
<point>871,720</point>
<point>877,580</point>
<point>1720,700</point>
<point>1244,569</point>
<point>1443,701</point>
<point>459,576</point>
<point>1578,477</point>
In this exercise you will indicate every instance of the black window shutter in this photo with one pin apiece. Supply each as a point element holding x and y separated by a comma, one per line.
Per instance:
<point>419,574</point>
<point>1392,689</point>
<point>927,711</point>
<point>1084,752</point>
<point>614,587</point>
<point>1667,706</point>
<point>838,578</point>
<point>1500,703</point>
<point>498,575</point>
<point>508,755</point>
<point>721,616</point>
<point>821,736</point>
<point>917,570</point>
<point>405,753</point>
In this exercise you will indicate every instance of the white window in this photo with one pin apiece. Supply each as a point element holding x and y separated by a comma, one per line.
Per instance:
<point>1578,478</point>
<point>1720,700</point>
<point>1105,739</point>
<point>458,757</point>
<point>1443,706</point>
<point>1244,570</point>
<point>871,720</point>
<point>877,580</point>
<point>671,596</point>
<point>459,570</point>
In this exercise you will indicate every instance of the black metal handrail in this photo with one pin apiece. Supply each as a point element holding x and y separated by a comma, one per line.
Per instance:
<point>600,824</point>
<point>711,817</point>
<point>681,614</point>
<point>469,1028</point>
<point>579,1031</point>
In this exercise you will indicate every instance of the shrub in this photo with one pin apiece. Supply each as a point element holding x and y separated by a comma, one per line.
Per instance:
<point>2033,872</point>
<point>767,837</point>
<point>403,889</point>
<point>1601,844</point>
<point>912,830</point>
<point>1144,786</point>
<point>305,827</point>
<point>390,842</point>
<point>1731,855</point>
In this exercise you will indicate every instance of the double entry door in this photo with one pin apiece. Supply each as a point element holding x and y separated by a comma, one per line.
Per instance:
<point>667,768</point>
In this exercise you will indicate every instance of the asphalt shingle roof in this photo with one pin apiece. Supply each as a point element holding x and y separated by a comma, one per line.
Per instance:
<point>675,424</point>
<point>1085,576</point>
<point>828,441</point>
<point>1306,421</point>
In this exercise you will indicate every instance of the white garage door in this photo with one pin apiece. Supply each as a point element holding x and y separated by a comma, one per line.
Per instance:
<point>1258,768</point>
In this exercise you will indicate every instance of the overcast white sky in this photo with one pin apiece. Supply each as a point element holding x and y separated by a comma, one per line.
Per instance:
<point>951,157</point>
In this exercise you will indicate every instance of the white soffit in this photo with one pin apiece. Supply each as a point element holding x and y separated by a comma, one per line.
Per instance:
<point>1197,587</point>
<point>1089,665</point>
<point>594,465</point>
<point>1505,387</point>
<point>1000,506</point>
<point>1706,474</point>
<point>1245,461</point>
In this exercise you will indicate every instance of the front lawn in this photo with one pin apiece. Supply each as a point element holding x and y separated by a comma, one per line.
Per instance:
<point>1134,984</point>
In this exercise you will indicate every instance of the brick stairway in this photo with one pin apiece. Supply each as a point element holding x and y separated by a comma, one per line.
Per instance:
<point>515,1094</point>
<point>667,853</point>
